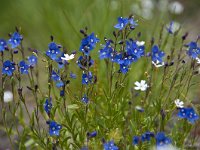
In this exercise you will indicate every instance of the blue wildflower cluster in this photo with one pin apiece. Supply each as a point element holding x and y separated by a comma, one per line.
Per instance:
<point>188,113</point>
<point>193,50</point>
<point>162,140</point>
<point>112,110</point>
<point>54,128</point>
<point>110,145</point>
<point>124,59</point>
<point>144,137</point>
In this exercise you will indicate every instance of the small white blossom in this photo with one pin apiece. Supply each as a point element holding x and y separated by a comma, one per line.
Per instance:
<point>8,96</point>
<point>68,57</point>
<point>158,64</point>
<point>198,60</point>
<point>179,103</point>
<point>176,7</point>
<point>142,85</point>
<point>140,43</point>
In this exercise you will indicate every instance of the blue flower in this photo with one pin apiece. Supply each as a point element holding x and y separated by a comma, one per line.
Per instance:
<point>56,77</point>
<point>48,106</point>
<point>88,44</point>
<point>85,99</point>
<point>133,49</point>
<point>72,75</point>
<point>122,22</point>
<point>32,60</point>
<point>92,134</point>
<point>110,146</point>
<point>189,114</point>
<point>54,128</point>
<point>3,45</point>
<point>124,68</point>
<point>53,51</point>
<point>84,148</point>
<point>193,50</point>
<point>118,58</point>
<point>147,136</point>
<point>59,84</point>
<point>87,78</point>
<point>84,62</point>
<point>170,28</point>
<point>162,140</point>
<point>15,40</point>
<point>62,93</point>
<point>8,68</point>
<point>136,140</point>
<point>106,51</point>
<point>23,67</point>
<point>132,22</point>
<point>157,54</point>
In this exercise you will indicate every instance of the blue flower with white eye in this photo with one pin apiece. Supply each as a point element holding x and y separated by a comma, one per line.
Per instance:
<point>189,114</point>
<point>133,49</point>
<point>88,44</point>
<point>23,67</point>
<point>85,99</point>
<point>122,22</point>
<point>84,62</point>
<point>110,146</point>
<point>72,75</point>
<point>162,140</point>
<point>54,128</point>
<point>53,51</point>
<point>136,140</point>
<point>8,68</point>
<point>3,45</point>
<point>106,51</point>
<point>15,40</point>
<point>193,50</point>
<point>157,54</point>
<point>48,106</point>
<point>32,60</point>
<point>124,68</point>
<point>87,78</point>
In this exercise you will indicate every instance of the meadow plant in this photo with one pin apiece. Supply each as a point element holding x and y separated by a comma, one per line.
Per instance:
<point>104,103</point>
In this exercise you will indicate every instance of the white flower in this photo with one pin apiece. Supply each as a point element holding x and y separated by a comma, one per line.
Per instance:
<point>198,60</point>
<point>8,96</point>
<point>176,7</point>
<point>68,57</point>
<point>179,103</point>
<point>142,85</point>
<point>140,43</point>
<point>158,64</point>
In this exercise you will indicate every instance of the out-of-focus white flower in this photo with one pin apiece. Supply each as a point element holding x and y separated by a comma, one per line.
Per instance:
<point>176,7</point>
<point>142,85</point>
<point>68,57</point>
<point>8,96</point>
<point>165,147</point>
<point>198,60</point>
<point>114,4</point>
<point>158,64</point>
<point>140,43</point>
<point>179,103</point>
